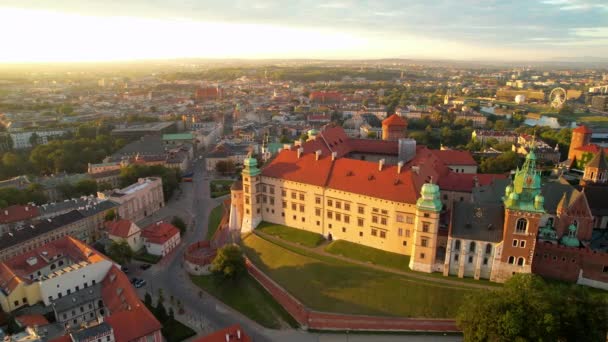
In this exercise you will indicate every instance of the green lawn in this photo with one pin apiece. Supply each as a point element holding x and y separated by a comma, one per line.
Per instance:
<point>328,284</point>
<point>220,187</point>
<point>299,236</point>
<point>248,297</point>
<point>214,220</point>
<point>369,254</point>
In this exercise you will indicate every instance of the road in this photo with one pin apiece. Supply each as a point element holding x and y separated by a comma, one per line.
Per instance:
<point>204,313</point>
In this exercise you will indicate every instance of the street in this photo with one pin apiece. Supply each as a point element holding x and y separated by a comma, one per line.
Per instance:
<point>204,313</point>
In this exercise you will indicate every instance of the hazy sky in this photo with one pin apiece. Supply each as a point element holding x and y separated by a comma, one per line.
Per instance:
<point>67,30</point>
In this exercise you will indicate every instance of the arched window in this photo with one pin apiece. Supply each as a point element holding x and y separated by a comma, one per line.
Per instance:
<point>472,247</point>
<point>511,260</point>
<point>550,222</point>
<point>489,248</point>
<point>521,226</point>
<point>575,223</point>
<point>457,245</point>
<point>521,261</point>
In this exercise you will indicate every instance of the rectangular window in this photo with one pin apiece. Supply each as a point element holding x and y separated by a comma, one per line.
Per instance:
<point>514,243</point>
<point>284,204</point>
<point>485,261</point>
<point>470,260</point>
<point>384,212</point>
<point>246,199</point>
<point>294,206</point>
<point>361,210</point>
<point>301,197</point>
<point>338,216</point>
<point>404,243</point>
<point>374,232</point>
<point>330,214</point>
<point>374,210</point>
<point>271,200</point>
<point>407,233</point>
<point>424,242</point>
<point>317,200</point>
<point>246,188</point>
<point>264,199</point>
<point>330,203</point>
<point>425,227</point>
<point>283,192</point>
<point>399,218</point>
<point>272,190</point>
<point>301,208</point>
<point>522,243</point>
<point>374,219</point>
<point>409,219</point>
<point>338,205</point>
<point>343,230</point>
<point>303,219</point>
<point>346,219</point>
<point>383,221</point>
<point>346,206</point>
<point>317,212</point>
<point>422,255</point>
<point>383,234</point>
<point>360,222</point>
<point>400,231</point>
<point>264,188</point>
<point>426,215</point>
<point>293,195</point>
<point>455,257</point>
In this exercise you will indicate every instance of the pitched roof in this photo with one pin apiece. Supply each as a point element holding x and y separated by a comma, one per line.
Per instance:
<point>394,120</point>
<point>582,129</point>
<point>120,228</point>
<point>32,320</point>
<point>455,157</point>
<point>598,161</point>
<point>16,213</point>
<point>229,334</point>
<point>465,182</point>
<point>129,318</point>
<point>159,232</point>
<point>481,222</point>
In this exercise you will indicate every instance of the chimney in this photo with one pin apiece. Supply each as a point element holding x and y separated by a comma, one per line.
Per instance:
<point>300,152</point>
<point>399,167</point>
<point>6,212</point>
<point>27,208</point>
<point>318,154</point>
<point>227,337</point>
<point>380,164</point>
<point>238,334</point>
<point>416,169</point>
<point>334,156</point>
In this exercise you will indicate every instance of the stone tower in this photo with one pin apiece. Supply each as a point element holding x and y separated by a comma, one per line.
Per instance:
<point>581,136</point>
<point>251,195</point>
<point>596,170</point>
<point>393,128</point>
<point>524,207</point>
<point>428,209</point>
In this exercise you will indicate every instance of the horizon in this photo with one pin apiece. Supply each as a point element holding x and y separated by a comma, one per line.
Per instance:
<point>68,31</point>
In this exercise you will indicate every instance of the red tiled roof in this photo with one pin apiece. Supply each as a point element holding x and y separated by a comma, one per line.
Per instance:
<point>394,120</point>
<point>465,182</point>
<point>64,338</point>
<point>455,157</point>
<point>32,320</point>
<point>582,129</point>
<point>591,148</point>
<point>16,213</point>
<point>220,335</point>
<point>159,232</point>
<point>119,228</point>
<point>305,169</point>
<point>129,317</point>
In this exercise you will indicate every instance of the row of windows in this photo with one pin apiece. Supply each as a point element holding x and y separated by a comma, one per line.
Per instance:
<point>472,247</point>
<point>470,259</point>
<point>520,261</point>
<point>521,243</point>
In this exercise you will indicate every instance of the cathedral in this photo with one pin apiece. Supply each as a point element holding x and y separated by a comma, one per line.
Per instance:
<point>432,205</point>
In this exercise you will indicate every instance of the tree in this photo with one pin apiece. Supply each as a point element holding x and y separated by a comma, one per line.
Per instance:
<point>86,187</point>
<point>34,139</point>
<point>110,215</point>
<point>372,135</point>
<point>120,252</point>
<point>160,312</point>
<point>229,262</point>
<point>529,309</point>
<point>225,167</point>
<point>179,224</point>
<point>148,300</point>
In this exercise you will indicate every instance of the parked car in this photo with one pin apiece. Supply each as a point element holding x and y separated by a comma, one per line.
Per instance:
<point>140,283</point>
<point>125,269</point>
<point>145,266</point>
<point>134,280</point>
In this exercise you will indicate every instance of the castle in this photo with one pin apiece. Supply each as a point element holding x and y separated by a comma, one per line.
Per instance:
<point>430,205</point>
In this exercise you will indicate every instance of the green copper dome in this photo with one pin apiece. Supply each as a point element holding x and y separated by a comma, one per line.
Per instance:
<point>523,193</point>
<point>570,239</point>
<point>312,132</point>
<point>430,198</point>
<point>251,167</point>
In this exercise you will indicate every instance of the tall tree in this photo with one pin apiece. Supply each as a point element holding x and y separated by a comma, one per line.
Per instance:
<point>229,262</point>
<point>120,252</point>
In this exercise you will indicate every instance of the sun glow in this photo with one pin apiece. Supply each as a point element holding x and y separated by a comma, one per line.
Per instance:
<point>46,36</point>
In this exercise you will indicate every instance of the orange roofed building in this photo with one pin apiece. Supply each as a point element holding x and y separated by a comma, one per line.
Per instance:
<point>233,333</point>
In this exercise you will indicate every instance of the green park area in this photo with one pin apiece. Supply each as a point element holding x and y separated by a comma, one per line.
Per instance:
<point>329,284</point>
<point>220,187</point>
<point>215,217</point>
<point>247,296</point>
<point>368,254</point>
<point>299,236</point>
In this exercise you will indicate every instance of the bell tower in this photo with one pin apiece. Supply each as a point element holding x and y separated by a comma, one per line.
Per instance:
<point>524,207</point>
<point>581,136</point>
<point>596,170</point>
<point>428,210</point>
<point>252,203</point>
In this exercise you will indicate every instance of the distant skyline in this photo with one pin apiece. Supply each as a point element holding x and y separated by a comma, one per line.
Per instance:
<point>109,30</point>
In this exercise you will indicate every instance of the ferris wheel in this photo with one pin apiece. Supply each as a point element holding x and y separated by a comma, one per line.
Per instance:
<point>557,97</point>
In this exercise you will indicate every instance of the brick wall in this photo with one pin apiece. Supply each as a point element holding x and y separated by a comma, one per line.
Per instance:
<point>565,263</point>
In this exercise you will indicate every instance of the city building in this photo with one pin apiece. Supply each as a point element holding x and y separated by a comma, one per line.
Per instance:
<point>138,200</point>
<point>16,217</point>
<point>22,140</point>
<point>483,137</point>
<point>141,130</point>
<point>233,333</point>
<point>122,230</point>
<point>160,238</point>
<point>393,128</point>
<point>581,149</point>
<point>600,102</point>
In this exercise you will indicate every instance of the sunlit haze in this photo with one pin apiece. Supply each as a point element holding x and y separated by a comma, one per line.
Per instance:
<point>128,30</point>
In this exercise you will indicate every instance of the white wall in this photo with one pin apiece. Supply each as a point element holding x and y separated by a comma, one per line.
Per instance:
<point>69,280</point>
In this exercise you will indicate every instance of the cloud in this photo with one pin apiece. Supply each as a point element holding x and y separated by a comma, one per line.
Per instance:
<point>334,5</point>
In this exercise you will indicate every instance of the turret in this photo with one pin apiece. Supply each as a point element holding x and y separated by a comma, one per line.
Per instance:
<point>596,170</point>
<point>581,136</point>
<point>426,230</point>
<point>252,204</point>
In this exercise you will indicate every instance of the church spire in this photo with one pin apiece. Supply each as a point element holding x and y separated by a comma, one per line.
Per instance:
<point>524,194</point>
